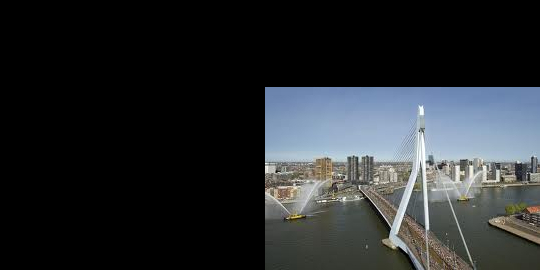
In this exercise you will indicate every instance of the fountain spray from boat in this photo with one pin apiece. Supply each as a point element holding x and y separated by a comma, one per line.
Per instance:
<point>461,191</point>
<point>298,210</point>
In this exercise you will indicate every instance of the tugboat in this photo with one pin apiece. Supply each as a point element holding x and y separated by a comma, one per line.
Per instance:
<point>462,198</point>
<point>294,216</point>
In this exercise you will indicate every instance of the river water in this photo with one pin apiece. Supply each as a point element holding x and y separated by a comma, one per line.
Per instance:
<point>347,235</point>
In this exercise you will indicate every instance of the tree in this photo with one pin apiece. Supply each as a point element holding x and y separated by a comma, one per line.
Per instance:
<point>522,206</point>
<point>510,209</point>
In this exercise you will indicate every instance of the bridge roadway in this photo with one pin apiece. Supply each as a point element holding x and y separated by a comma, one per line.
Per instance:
<point>413,235</point>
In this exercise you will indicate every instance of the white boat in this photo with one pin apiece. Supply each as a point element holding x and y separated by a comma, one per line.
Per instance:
<point>328,200</point>
<point>356,198</point>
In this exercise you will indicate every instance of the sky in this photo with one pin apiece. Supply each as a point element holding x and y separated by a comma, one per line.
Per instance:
<point>500,124</point>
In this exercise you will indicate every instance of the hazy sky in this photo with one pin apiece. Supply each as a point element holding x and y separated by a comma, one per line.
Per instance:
<point>492,123</point>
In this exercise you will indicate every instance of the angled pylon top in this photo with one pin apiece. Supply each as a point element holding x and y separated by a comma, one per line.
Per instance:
<point>421,125</point>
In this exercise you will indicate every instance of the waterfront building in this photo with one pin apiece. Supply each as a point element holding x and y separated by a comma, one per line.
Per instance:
<point>469,173</point>
<point>352,169</point>
<point>463,163</point>
<point>494,167</point>
<point>455,173</point>
<point>534,164</point>
<point>484,173</point>
<point>508,178</point>
<point>534,177</point>
<point>323,168</point>
<point>532,215</point>
<point>521,171</point>
<point>367,168</point>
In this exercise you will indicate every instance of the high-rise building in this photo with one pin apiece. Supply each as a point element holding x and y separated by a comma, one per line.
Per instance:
<point>367,168</point>
<point>352,169</point>
<point>494,167</point>
<point>469,173</point>
<point>463,163</point>
<point>534,164</point>
<point>431,161</point>
<point>498,175</point>
<point>484,173</point>
<point>455,173</point>
<point>478,163</point>
<point>323,168</point>
<point>521,171</point>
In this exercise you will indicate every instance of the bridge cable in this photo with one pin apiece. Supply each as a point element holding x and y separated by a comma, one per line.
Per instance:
<point>453,212</point>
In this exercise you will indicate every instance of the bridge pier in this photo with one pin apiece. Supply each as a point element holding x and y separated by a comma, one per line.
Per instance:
<point>389,243</point>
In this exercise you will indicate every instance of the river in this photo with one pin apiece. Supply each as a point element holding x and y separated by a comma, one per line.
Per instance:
<point>347,235</point>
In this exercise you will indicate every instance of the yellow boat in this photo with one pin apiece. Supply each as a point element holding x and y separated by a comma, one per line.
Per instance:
<point>294,216</point>
<point>463,198</point>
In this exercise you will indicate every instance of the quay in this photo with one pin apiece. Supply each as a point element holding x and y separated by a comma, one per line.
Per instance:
<point>515,226</point>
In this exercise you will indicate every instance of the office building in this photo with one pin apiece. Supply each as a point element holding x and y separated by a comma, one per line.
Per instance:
<point>484,173</point>
<point>478,163</point>
<point>463,163</point>
<point>534,177</point>
<point>323,168</point>
<point>455,173</point>
<point>431,160</point>
<point>498,175</point>
<point>469,173</point>
<point>508,178</point>
<point>352,169</point>
<point>521,171</point>
<point>367,168</point>
<point>534,164</point>
<point>494,167</point>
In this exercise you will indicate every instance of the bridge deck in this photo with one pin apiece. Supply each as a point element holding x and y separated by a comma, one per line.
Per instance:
<point>413,235</point>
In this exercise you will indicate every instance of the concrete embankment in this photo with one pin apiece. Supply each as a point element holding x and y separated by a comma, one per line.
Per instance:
<point>505,223</point>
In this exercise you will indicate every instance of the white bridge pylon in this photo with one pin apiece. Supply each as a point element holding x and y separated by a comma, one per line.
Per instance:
<point>419,164</point>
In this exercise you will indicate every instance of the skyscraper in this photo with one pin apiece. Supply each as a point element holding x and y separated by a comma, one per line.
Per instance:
<point>478,163</point>
<point>494,167</point>
<point>323,168</point>
<point>534,164</point>
<point>521,171</point>
<point>455,173</point>
<point>484,173</point>
<point>352,169</point>
<point>463,163</point>
<point>367,168</point>
<point>469,173</point>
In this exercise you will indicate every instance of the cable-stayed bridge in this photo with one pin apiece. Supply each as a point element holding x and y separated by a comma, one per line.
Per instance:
<point>422,246</point>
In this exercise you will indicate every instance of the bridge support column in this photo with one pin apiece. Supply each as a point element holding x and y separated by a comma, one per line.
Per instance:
<point>389,243</point>
<point>419,166</point>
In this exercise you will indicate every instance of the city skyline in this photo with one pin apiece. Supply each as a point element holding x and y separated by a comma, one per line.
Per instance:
<point>495,124</point>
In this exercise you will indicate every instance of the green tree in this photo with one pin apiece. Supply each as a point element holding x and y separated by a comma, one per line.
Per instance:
<point>510,209</point>
<point>522,206</point>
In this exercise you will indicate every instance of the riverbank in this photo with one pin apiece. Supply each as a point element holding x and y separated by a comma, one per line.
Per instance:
<point>509,185</point>
<point>511,225</point>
